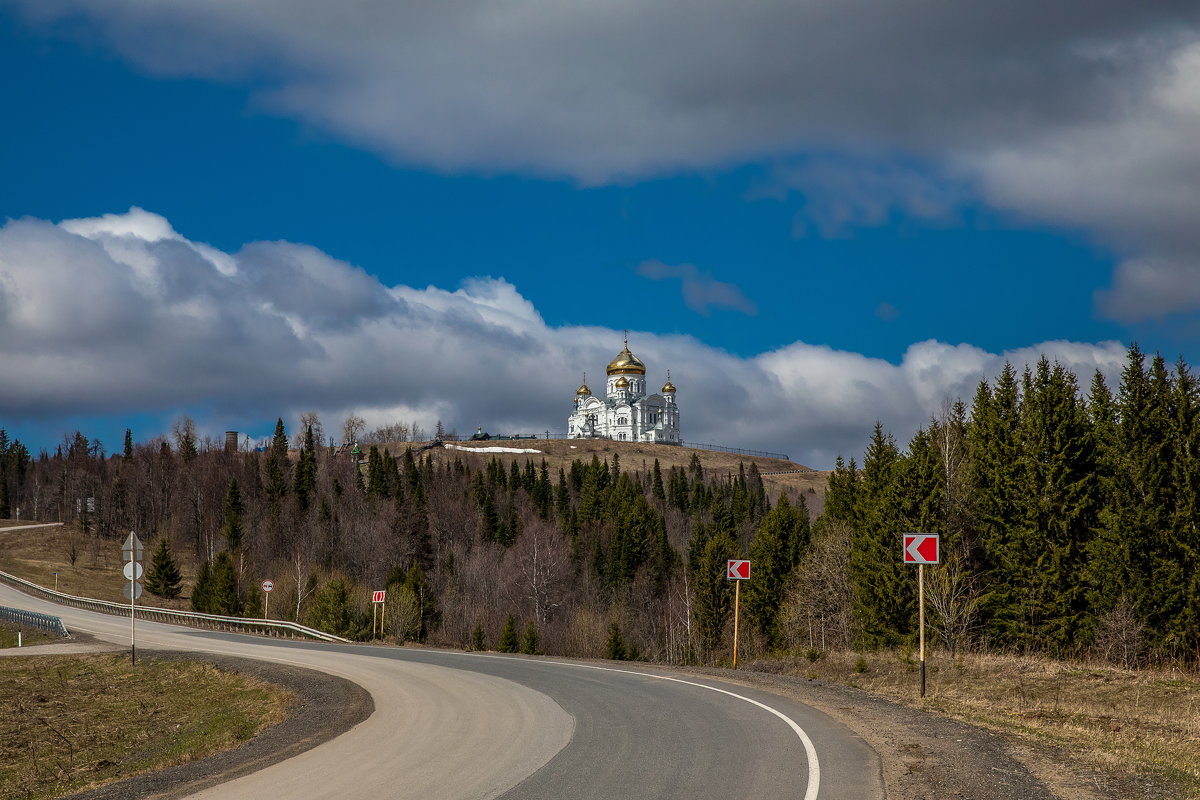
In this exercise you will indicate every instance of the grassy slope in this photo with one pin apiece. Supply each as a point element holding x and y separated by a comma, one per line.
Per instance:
<point>637,455</point>
<point>83,720</point>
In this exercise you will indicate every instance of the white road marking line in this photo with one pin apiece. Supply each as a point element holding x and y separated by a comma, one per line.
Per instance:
<point>814,764</point>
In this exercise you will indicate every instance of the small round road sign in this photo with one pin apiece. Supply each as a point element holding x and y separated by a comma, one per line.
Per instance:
<point>268,585</point>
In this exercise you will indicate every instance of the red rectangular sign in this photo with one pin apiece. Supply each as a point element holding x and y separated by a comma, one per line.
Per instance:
<point>921,548</point>
<point>377,597</point>
<point>737,570</point>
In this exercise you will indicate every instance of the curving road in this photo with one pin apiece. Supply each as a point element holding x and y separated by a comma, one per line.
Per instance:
<point>454,725</point>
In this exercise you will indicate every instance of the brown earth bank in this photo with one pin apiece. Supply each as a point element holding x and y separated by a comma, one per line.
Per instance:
<point>325,707</point>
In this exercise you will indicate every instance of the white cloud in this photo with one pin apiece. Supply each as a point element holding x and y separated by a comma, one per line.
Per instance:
<point>290,329</point>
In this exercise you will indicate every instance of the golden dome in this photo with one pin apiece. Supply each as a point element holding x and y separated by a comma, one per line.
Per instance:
<point>626,363</point>
<point>668,387</point>
<point>622,382</point>
<point>583,390</point>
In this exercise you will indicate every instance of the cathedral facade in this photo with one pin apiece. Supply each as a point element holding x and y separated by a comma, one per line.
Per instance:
<point>627,412</point>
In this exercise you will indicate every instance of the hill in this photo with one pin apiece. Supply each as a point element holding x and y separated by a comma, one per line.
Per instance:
<point>778,474</point>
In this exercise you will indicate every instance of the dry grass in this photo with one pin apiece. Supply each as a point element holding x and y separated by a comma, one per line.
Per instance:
<point>639,455</point>
<point>37,554</point>
<point>78,721</point>
<point>1126,723</point>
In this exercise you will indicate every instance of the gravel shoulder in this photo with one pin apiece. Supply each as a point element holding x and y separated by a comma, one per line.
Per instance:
<point>926,755</point>
<point>326,706</point>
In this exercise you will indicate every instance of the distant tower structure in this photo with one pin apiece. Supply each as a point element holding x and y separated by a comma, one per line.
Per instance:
<point>231,441</point>
<point>627,412</point>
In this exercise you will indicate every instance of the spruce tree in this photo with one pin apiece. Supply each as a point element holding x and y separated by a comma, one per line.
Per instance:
<point>615,649</point>
<point>1107,569</point>
<point>223,590</point>
<point>777,547</point>
<point>201,597</point>
<point>630,542</point>
<point>128,454</point>
<point>164,578</point>
<point>508,636</point>
<point>994,478</point>
<point>1183,544</point>
<point>713,596</point>
<point>656,483</point>
<point>884,596</point>
<point>1043,556</point>
<point>305,482</point>
<point>1143,489</point>
<point>332,610</point>
<point>841,491</point>
<point>276,464</point>
<point>510,525</point>
<point>231,526</point>
<point>529,644</point>
<point>489,519</point>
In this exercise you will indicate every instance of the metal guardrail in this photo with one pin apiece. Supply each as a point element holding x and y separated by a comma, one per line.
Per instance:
<point>262,627</point>
<point>32,619</point>
<point>722,449</point>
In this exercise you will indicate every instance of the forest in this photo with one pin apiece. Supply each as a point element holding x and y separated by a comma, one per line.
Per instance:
<point>1068,520</point>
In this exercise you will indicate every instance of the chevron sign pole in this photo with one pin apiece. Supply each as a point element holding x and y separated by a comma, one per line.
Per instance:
<point>921,549</point>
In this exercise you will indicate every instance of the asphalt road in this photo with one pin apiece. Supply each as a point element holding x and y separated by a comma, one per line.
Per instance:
<point>453,725</point>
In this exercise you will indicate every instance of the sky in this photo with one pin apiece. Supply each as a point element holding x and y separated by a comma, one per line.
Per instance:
<point>816,215</point>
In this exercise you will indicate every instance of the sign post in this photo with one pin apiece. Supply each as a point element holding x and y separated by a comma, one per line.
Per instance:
<point>267,586</point>
<point>921,549</point>
<point>736,570</point>
<point>132,554</point>
<point>377,606</point>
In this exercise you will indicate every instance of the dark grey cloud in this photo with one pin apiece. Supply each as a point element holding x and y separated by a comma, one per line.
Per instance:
<point>121,315</point>
<point>701,291</point>
<point>1081,114</point>
<point>597,90</point>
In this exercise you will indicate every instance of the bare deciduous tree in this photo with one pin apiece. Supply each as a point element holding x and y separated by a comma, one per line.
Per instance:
<point>953,594</point>
<point>352,428</point>
<point>309,419</point>
<point>818,612</point>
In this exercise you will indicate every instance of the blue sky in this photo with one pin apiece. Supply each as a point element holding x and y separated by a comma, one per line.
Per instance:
<point>789,248</point>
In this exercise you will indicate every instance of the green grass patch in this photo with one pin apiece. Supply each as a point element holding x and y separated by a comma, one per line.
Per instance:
<point>29,636</point>
<point>73,722</point>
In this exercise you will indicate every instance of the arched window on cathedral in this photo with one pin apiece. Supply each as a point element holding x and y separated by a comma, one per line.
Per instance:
<point>621,437</point>
<point>622,420</point>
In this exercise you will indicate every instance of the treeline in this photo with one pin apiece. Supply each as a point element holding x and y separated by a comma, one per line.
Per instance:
<point>1069,519</point>
<point>590,559</point>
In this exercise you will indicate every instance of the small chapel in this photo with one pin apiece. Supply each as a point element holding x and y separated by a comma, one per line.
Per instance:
<point>626,412</point>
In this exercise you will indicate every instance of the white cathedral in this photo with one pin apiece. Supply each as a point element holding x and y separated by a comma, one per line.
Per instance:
<point>626,413</point>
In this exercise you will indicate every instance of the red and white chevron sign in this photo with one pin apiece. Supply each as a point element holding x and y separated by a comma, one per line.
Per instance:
<point>737,570</point>
<point>921,548</point>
